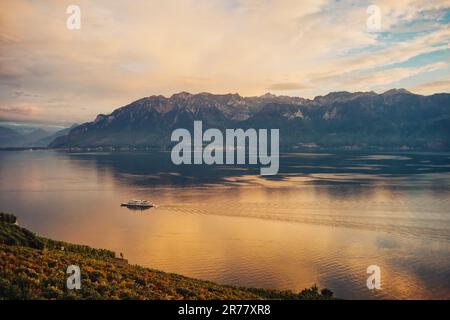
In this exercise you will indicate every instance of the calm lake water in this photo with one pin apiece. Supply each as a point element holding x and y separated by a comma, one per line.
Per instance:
<point>323,220</point>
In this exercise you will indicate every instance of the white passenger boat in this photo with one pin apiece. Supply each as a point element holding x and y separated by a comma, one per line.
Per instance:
<point>137,204</point>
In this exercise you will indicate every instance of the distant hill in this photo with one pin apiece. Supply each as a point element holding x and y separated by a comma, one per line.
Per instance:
<point>32,267</point>
<point>45,141</point>
<point>37,137</point>
<point>8,137</point>
<point>396,119</point>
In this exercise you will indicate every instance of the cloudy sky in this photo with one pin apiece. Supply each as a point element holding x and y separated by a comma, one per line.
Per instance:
<point>126,50</point>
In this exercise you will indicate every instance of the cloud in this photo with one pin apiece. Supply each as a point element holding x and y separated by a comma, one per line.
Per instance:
<point>398,12</point>
<point>30,110</point>
<point>19,113</point>
<point>390,76</point>
<point>286,86</point>
<point>125,52</point>
<point>438,86</point>
<point>401,52</point>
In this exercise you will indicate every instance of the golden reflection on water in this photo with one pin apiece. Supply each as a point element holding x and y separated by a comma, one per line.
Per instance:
<point>245,230</point>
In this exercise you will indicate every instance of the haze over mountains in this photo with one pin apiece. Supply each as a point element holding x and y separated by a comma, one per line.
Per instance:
<point>396,119</point>
<point>31,137</point>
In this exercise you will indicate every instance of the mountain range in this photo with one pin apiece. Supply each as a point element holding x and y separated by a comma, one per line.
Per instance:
<point>396,119</point>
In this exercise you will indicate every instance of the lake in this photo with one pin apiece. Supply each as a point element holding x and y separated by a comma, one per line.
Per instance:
<point>322,220</point>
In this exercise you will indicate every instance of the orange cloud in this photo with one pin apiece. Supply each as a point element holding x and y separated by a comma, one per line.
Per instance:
<point>125,52</point>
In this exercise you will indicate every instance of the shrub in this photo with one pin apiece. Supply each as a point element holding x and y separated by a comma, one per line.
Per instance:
<point>7,217</point>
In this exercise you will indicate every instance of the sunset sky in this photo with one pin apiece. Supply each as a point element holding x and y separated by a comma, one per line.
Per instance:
<point>126,50</point>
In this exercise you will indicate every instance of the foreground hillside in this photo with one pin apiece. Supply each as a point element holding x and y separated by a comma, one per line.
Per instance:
<point>32,267</point>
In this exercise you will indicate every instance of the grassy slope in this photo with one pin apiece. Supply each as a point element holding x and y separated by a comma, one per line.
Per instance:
<point>32,267</point>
